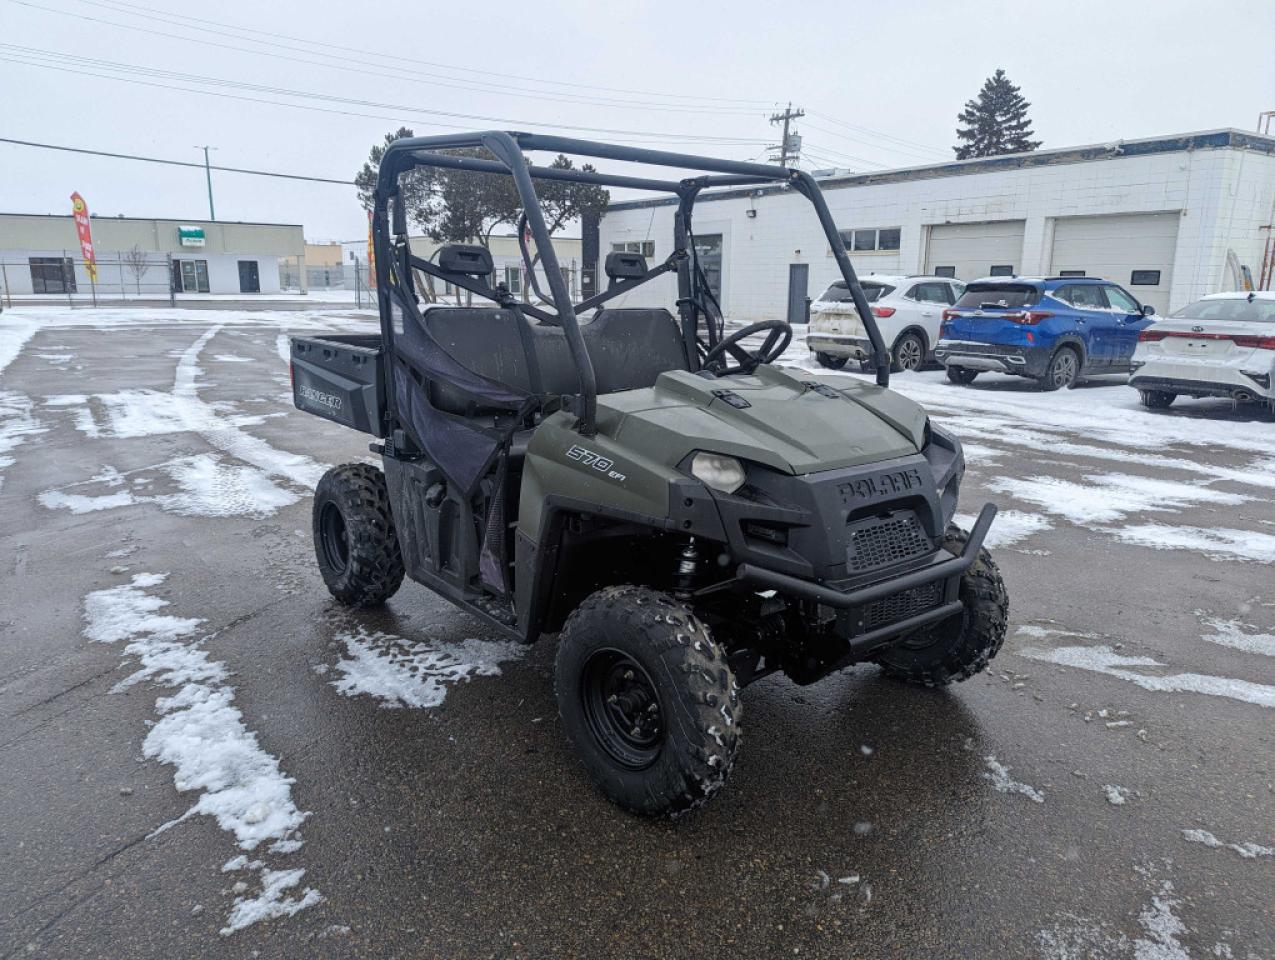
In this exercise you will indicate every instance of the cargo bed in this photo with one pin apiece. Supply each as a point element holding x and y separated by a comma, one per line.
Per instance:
<point>338,377</point>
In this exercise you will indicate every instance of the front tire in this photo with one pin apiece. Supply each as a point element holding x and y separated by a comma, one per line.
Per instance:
<point>961,375</point>
<point>908,354</point>
<point>648,700</point>
<point>961,646</point>
<point>830,362</point>
<point>1157,399</point>
<point>354,537</point>
<point>1063,371</point>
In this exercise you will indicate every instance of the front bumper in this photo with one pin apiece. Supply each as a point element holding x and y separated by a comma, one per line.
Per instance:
<point>995,357</point>
<point>937,584</point>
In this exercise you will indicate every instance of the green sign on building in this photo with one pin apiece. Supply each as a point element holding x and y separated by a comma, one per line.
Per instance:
<point>190,236</point>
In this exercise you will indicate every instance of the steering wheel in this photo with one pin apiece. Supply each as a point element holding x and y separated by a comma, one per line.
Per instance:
<point>772,348</point>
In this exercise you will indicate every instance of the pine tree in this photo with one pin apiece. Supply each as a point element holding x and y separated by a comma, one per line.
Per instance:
<point>996,123</point>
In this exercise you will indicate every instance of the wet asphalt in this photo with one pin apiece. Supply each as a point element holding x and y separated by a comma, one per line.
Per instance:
<point>468,829</point>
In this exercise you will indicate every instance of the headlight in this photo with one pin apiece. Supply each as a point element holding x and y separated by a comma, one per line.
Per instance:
<point>721,473</point>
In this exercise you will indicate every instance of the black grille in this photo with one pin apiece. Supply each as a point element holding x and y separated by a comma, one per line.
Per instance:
<point>878,542</point>
<point>900,606</point>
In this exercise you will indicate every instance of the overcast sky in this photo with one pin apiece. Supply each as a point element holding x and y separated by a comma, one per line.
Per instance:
<point>881,84</point>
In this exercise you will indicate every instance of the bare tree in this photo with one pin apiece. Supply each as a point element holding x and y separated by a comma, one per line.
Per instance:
<point>137,263</point>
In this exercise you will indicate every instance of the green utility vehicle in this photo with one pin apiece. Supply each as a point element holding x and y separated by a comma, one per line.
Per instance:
<point>686,515</point>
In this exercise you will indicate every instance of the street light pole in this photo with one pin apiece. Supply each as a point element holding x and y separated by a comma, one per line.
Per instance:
<point>212,214</point>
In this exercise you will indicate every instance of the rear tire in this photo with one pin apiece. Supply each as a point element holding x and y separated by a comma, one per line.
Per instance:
<point>962,646</point>
<point>1157,399</point>
<point>831,362</point>
<point>1063,371</point>
<point>908,354</point>
<point>354,537</point>
<point>648,700</point>
<point>961,375</point>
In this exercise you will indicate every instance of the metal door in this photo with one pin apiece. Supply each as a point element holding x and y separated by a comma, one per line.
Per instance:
<point>249,277</point>
<point>798,289</point>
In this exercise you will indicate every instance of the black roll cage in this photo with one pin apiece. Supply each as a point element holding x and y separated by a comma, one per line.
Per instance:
<point>507,147</point>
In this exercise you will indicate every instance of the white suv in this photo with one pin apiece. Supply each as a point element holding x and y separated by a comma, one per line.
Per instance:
<point>1220,346</point>
<point>907,309</point>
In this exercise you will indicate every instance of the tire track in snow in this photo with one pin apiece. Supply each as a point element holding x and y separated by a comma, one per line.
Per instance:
<point>200,418</point>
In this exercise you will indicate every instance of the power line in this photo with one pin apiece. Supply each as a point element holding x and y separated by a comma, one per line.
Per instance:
<point>400,74</point>
<point>35,57</point>
<point>878,134</point>
<point>379,53</point>
<point>786,151</point>
<point>175,163</point>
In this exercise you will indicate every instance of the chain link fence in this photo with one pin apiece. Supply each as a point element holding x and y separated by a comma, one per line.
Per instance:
<point>127,277</point>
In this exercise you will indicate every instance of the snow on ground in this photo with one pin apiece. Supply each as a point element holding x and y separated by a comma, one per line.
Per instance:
<point>208,487</point>
<point>1077,938</point>
<point>1009,527</point>
<point>202,735</point>
<point>1002,782</point>
<point>1216,543</point>
<point>1106,498</point>
<point>1117,796</point>
<point>1248,850</point>
<point>415,673</point>
<point>1101,658</point>
<point>1236,635</point>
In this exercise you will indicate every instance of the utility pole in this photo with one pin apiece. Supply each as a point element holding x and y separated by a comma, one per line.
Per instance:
<point>212,214</point>
<point>790,146</point>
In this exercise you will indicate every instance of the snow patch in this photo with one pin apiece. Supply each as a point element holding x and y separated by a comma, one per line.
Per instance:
<point>406,673</point>
<point>16,425</point>
<point>1002,782</point>
<point>1103,659</point>
<point>202,735</point>
<point>14,334</point>
<point>1116,796</point>
<point>1009,527</point>
<point>231,358</point>
<point>1076,938</point>
<point>1234,634</point>
<point>1219,543</point>
<point>1248,850</point>
<point>1109,497</point>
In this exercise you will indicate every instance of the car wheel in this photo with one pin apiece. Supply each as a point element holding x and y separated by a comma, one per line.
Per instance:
<point>1157,399</point>
<point>908,353</point>
<point>831,362</point>
<point>961,375</point>
<point>648,699</point>
<point>1063,371</point>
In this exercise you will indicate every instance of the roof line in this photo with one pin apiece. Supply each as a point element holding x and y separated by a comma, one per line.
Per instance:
<point>104,218</point>
<point>1223,138</point>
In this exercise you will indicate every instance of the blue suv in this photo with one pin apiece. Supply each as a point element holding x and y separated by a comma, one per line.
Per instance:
<point>1053,330</point>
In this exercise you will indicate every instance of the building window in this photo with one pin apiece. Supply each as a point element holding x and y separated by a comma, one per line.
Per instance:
<point>945,272</point>
<point>1071,273</point>
<point>644,247</point>
<point>877,238</point>
<point>1002,270</point>
<point>1144,278</point>
<point>190,276</point>
<point>52,275</point>
<point>513,279</point>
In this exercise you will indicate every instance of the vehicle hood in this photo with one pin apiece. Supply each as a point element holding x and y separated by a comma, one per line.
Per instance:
<point>785,418</point>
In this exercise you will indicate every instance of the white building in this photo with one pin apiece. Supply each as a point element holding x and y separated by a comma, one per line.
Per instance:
<point>1170,218</point>
<point>40,256</point>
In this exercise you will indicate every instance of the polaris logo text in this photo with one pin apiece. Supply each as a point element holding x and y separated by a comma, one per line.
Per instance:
<point>329,400</point>
<point>594,460</point>
<point>883,484</point>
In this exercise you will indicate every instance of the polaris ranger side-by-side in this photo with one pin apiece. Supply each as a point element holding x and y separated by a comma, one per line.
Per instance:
<point>686,514</point>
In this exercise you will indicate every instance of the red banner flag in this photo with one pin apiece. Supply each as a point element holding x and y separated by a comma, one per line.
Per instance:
<point>371,254</point>
<point>80,211</point>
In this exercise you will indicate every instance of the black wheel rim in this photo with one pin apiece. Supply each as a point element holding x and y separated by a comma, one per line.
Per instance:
<point>909,353</point>
<point>622,708</point>
<point>332,534</point>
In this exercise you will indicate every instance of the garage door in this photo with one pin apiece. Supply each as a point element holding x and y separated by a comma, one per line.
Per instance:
<point>1133,250</point>
<point>973,250</point>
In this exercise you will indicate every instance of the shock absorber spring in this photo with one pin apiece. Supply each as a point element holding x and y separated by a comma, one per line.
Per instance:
<point>687,563</point>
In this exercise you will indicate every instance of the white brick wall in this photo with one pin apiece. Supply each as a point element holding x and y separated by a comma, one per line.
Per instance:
<point>1224,196</point>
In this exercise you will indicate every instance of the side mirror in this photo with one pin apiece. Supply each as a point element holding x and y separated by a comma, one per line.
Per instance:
<point>1148,310</point>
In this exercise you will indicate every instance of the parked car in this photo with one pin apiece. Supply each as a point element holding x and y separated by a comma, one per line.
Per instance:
<point>907,309</point>
<point>1054,330</point>
<point>1220,346</point>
